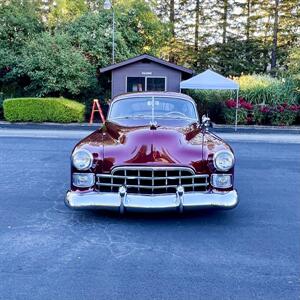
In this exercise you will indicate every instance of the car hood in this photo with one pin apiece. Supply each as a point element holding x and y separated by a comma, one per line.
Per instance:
<point>116,145</point>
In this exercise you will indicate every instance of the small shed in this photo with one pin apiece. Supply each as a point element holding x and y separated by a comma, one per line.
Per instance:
<point>145,73</point>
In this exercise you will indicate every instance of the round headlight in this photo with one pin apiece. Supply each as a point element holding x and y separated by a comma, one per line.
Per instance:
<point>82,159</point>
<point>223,160</point>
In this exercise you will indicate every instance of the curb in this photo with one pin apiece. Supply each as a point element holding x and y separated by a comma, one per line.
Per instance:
<point>215,127</point>
<point>256,129</point>
<point>46,125</point>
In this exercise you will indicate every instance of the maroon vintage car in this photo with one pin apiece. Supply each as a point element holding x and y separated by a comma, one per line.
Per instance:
<point>152,153</point>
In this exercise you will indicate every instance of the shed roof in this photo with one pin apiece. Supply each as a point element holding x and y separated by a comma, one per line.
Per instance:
<point>147,57</point>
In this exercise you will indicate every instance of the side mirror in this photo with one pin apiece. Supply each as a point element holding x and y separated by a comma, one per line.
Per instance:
<point>205,122</point>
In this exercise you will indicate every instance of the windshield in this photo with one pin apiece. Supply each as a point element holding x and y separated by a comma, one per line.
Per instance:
<point>152,108</point>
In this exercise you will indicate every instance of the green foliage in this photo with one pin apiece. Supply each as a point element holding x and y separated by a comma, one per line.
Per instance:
<point>264,89</point>
<point>293,61</point>
<point>19,22</point>
<point>234,57</point>
<point>256,89</point>
<point>285,118</point>
<point>275,114</point>
<point>137,30</point>
<point>64,60</point>
<point>137,19</point>
<point>293,64</point>
<point>42,110</point>
<point>229,115</point>
<point>66,11</point>
<point>54,66</point>
<point>210,103</point>
<point>92,34</point>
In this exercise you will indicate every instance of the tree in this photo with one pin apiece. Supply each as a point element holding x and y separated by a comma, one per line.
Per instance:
<point>173,13</point>
<point>54,67</point>
<point>275,35</point>
<point>197,21</point>
<point>280,27</point>
<point>65,11</point>
<point>232,58</point>
<point>137,30</point>
<point>19,22</point>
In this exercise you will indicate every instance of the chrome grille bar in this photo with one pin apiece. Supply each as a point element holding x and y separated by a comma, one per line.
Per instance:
<point>152,180</point>
<point>149,186</point>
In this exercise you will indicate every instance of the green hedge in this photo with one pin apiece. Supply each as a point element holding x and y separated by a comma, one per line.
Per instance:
<point>43,110</point>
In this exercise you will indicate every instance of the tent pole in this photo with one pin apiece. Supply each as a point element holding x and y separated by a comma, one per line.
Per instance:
<point>236,109</point>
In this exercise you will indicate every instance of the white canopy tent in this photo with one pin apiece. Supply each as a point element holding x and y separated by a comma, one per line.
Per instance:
<point>210,80</point>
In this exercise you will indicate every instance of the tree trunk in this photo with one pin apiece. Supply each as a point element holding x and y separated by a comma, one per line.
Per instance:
<point>172,24</point>
<point>197,25</point>
<point>225,21</point>
<point>172,17</point>
<point>275,37</point>
<point>248,25</point>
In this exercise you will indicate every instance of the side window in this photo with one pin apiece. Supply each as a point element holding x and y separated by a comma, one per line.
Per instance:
<point>135,84</point>
<point>156,84</point>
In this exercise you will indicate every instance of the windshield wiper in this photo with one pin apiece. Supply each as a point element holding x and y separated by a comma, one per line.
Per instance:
<point>177,117</point>
<point>141,116</point>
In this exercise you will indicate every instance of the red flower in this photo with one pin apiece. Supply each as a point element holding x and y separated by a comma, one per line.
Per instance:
<point>247,105</point>
<point>264,109</point>
<point>280,108</point>
<point>294,107</point>
<point>230,103</point>
<point>249,119</point>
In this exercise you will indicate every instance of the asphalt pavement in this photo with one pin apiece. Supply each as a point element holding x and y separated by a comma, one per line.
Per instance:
<point>48,251</point>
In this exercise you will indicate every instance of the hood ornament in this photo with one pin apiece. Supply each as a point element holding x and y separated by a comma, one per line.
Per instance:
<point>153,125</point>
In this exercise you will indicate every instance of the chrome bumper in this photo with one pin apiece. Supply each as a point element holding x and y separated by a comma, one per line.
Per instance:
<point>129,202</point>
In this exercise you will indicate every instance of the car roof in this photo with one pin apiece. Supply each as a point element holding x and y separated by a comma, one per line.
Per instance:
<point>153,94</point>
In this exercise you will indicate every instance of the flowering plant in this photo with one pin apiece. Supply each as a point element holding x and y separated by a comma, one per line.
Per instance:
<point>280,114</point>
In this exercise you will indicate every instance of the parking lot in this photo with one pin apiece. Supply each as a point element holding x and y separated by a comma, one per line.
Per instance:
<point>48,251</point>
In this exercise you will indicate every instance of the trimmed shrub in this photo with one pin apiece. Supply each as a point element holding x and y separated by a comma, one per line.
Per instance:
<point>43,110</point>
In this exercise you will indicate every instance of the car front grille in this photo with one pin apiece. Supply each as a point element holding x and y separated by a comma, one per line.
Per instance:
<point>152,180</point>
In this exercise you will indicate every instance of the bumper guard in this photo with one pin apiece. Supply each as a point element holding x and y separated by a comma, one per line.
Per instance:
<point>122,201</point>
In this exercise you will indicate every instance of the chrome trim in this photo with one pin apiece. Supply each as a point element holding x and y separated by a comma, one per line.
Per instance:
<point>214,174</point>
<point>122,193</point>
<point>154,168</point>
<point>216,155</point>
<point>90,156</point>
<point>82,186</point>
<point>186,201</point>
<point>152,186</point>
<point>179,194</point>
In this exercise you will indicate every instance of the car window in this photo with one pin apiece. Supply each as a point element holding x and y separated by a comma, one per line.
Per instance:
<point>152,108</point>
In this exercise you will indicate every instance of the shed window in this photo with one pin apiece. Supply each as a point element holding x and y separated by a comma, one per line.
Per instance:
<point>135,84</point>
<point>156,84</point>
